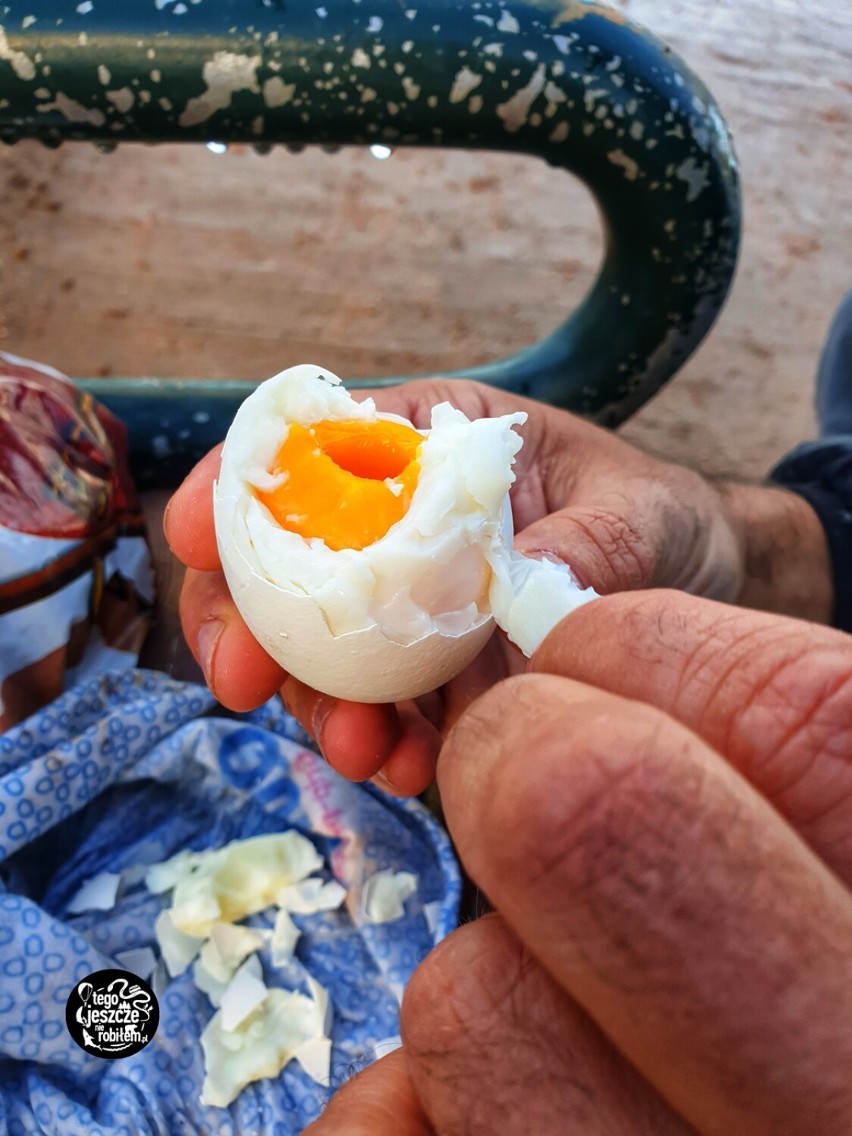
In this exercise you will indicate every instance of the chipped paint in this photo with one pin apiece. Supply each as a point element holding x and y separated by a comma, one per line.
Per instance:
<point>696,177</point>
<point>625,162</point>
<point>22,65</point>
<point>225,74</point>
<point>567,11</point>
<point>507,23</point>
<point>74,111</point>
<point>412,89</point>
<point>464,82</point>
<point>276,92</point>
<point>122,99</point>
<point>514,111</point>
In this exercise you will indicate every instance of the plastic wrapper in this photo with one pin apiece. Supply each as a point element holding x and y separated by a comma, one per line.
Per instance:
<point>76,582</point>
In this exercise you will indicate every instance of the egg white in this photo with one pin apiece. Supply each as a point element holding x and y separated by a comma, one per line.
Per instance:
<point>401,616</point>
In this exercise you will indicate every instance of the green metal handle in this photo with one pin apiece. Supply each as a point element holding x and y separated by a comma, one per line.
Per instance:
<point>572,82</point>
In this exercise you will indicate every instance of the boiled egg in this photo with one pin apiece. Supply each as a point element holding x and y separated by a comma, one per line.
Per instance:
<point>368,557</point>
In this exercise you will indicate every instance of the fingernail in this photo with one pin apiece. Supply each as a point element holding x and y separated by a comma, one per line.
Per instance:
<point>383,781</point>
<point>322,712</point>
<point>209,634</point>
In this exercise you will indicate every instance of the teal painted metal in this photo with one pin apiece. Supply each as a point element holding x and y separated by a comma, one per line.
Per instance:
<point>569,81</point>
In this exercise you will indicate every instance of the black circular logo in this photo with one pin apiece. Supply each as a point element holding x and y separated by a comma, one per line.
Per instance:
<point>112,1013</point>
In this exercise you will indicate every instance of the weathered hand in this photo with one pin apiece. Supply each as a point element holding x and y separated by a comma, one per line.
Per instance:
<point>661,813</point>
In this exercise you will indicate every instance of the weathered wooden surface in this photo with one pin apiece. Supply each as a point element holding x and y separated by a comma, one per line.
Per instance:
<point>174,261</point>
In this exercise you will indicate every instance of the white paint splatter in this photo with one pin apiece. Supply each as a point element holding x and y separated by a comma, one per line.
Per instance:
<point>412,89</point>
<point>475,104</point>
<point>22,65</point>
<point>508,23</point>
<point>28,21</point>
<point>368,95</point>
<point>360,58</point>
<point>407,46</point>
<point>562,43</point>
<point>276,92</point>
<point>515,110</point>
<point>485,20</point>
<point>464,82</point>
<point>122,99</point>
<point>493,49</point>
<point>156,75</point>
<point>225,74</point>
<point>375,24</point>
<point>630,167</point>
<point>637,131</point>
<point>74,111</point>
<point>696,177</point>
<point>104,75</point>
<point>86,7</point>
<point>559,132</point>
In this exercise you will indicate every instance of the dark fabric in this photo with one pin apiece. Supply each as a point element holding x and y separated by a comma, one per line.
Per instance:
<point>821,472</point>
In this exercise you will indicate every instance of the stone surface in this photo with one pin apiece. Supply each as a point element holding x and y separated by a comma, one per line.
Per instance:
<point>175,261</point>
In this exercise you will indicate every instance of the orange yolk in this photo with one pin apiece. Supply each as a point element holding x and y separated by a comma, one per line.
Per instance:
<point>335,486</point>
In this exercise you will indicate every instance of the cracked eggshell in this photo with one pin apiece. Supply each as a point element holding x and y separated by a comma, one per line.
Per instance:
<point>353,624</point>
<point>360,666</point>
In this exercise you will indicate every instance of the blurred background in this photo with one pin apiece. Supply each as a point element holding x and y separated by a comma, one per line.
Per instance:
<point>179,261</point>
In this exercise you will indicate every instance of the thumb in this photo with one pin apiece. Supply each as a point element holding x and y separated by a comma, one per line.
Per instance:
<point>603,549</point>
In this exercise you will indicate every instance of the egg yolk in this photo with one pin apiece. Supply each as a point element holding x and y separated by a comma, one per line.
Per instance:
<point>337,487</point>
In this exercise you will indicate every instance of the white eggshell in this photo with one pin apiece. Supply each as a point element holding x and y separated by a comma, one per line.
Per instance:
<point>360,666</point>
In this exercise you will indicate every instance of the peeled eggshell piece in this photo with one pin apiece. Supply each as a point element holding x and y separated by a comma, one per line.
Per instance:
<point>384,895</point>
<point>260,1046</point>
<point>529,598</point>
<point>311,896</point>
<point>96,894</point>
<point>241,879</point>
<point>177,948</point>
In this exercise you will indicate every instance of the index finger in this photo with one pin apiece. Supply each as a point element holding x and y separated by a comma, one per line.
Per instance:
<point>188,520</point>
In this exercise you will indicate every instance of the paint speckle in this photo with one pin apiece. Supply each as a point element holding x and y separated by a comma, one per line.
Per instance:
<point>368,95</point>
<point>464,82</point>
<point>276,92</point>
<point>514,111</point>
<point>28,21</point>
<point>104,75</point>
<point>559,132</point>
<point>508,23</point>
<point>696,177</point>
<point>360,58</point>
<point>74,111</point>
<point>375,25</point>
<point>156,75</point>
<point>22,65</point>
<point>224,74</point>
<point>412,89</point>
<point>86,7</point>
<point>122,99</point>
<point>493,49</point>
<point>630,167</point>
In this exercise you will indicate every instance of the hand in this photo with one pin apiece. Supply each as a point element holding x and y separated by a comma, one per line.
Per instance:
<point>622,520</point>
<point>662,815</point>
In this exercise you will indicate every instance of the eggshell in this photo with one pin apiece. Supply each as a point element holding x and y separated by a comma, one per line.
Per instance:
<point>360,666</point>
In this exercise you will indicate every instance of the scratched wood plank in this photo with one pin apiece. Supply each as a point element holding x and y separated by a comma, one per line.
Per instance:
<point>174,261</point>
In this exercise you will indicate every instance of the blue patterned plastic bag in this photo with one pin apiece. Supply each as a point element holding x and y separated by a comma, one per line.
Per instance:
<point>128,770</point>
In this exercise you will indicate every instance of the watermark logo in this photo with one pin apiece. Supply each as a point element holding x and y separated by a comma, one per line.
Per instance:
<point>112,1013</point>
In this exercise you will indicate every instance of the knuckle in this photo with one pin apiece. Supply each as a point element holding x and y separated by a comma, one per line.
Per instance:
<point>626,556</point>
